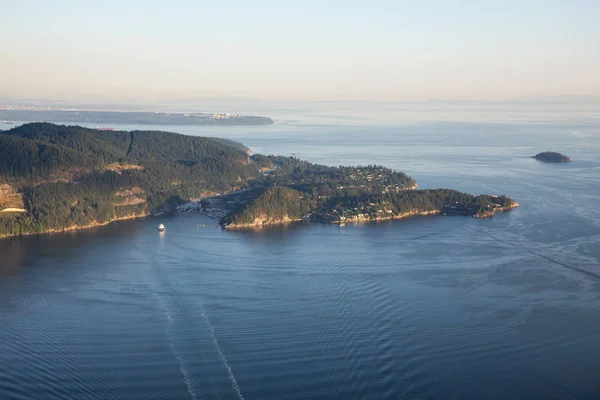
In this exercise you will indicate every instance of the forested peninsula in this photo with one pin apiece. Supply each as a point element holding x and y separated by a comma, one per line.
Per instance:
<point>55,178</point>
<point>295,190</point>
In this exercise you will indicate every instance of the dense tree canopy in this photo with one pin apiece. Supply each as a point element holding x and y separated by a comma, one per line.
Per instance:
<point>273,204</point>
<point>72,176</point>
<point>338,194</point>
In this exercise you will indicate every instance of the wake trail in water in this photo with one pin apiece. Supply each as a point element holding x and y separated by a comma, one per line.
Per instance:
<point>565,265</point>
<point>168,332</point>
<point>232,379</point>
<point>215,342</point>
<point>571,267</point>
<point>432,234</point>
<point>182,368</point>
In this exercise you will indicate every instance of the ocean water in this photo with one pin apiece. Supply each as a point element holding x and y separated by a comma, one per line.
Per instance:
<point>424,308</point>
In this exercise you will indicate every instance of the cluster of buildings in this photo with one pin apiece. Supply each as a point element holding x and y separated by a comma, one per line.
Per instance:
<point>366,177</point>
<point>206,116</point>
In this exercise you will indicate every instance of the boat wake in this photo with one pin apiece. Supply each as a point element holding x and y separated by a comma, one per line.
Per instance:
<point>553,260</point>
<point>222,355</point>
<point>182,367</point>
<point>163,280</point>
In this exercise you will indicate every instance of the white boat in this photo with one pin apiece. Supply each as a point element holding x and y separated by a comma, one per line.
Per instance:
<point>161,228</point>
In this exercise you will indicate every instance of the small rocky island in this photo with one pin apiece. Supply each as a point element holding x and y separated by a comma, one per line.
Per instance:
<point>552,157</point>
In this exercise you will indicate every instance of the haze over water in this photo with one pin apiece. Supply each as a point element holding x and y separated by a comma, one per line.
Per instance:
<point>433,307</point>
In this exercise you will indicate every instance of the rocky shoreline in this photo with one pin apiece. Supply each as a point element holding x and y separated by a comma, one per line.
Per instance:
<point>76,228</point>
<point>490,214</point>
<point>259,223</point>
<point>265,222</point>
<point>385,218</point>
<point>203,205</point>
<point>217,207</point>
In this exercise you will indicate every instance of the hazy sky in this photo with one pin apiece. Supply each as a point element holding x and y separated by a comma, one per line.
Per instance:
<point>329,50</point>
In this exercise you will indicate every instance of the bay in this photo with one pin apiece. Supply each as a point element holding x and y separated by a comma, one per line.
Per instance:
<point>433,307</point>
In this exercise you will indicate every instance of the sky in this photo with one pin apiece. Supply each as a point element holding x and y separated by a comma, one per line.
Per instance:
<point>379,50</point>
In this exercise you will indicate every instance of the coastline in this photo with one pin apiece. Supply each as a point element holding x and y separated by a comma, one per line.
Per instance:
<point>387,218</point>
<point>76,227</point>
<point>131,117</point>
<point>192,204</point>
<point>341,222</point>
<point>334,222</point>
<point>490,214</point>
<point>263,224</point>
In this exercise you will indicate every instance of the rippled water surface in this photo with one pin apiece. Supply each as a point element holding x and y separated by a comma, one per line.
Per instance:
<point>433,307</point>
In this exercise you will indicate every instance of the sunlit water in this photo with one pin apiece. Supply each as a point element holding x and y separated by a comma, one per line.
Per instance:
<point>432,307</point>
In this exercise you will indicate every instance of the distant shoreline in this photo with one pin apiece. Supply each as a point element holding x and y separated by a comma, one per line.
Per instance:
<point>131,117</point>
